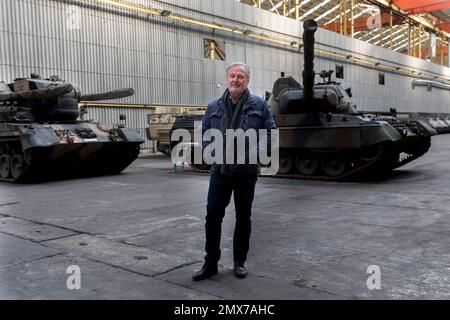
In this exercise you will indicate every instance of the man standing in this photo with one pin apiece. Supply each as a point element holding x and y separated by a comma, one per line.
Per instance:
<point>236,109</point>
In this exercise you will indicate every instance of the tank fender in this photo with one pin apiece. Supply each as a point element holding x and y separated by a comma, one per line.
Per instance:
<point>372,133</point>
<point>37,136</point>
<point>130,135</point>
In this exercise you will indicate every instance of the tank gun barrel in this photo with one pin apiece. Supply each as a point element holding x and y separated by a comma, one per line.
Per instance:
<point>309,28</point>
<point>114,94</point>
<point>50,93</point>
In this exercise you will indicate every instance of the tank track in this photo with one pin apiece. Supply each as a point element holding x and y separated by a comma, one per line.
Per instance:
<point>42,168</point>
<point>426,143</point>
<point>347,174</point>
<point>384,161</point>
<point>10,149</point>
<point>304,177</point>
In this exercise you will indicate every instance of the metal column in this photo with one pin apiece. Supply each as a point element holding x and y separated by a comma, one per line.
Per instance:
<point>390,30</point>
<point>448,54</point>
<point>351,16</point>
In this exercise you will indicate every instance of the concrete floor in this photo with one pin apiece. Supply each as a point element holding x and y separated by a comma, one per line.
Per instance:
<point>139,235</point>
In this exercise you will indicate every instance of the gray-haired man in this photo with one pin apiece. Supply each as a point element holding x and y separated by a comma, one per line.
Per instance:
<point>236,109</point>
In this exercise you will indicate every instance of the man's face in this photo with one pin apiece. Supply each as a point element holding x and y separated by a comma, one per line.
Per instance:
<point>237,80</point>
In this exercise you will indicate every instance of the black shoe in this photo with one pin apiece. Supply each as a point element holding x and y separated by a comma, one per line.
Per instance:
<point>239,270</point>
<point>205,272</point>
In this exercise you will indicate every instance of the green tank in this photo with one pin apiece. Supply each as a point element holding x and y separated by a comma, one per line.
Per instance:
<point>323,137</point>
<point>41,135</point>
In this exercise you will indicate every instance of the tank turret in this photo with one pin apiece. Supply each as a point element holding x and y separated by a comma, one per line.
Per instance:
<point>289,97</point>
<point>34,99</point>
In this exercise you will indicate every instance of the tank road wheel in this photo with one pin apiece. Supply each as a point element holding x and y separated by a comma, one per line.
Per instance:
<point>306,163</point>
<point>17,166</point>
<point>334,165</point>
<point>5,167</point>
<point>369,153</point>
<point>286,161</point>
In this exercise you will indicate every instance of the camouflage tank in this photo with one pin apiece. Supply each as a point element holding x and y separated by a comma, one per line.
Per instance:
<point>41,136</point>
<point>161,126</point>
<point>189,122</point>
<point>323,137</point>
<point>159,131</point>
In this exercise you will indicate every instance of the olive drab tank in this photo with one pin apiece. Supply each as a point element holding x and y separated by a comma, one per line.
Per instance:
<point>322,136</point>
<point>41,136</point>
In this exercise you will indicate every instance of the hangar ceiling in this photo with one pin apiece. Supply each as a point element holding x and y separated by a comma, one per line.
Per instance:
<point>420,28</point>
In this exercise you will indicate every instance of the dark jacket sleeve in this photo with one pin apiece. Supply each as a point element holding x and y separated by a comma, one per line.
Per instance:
<point>269,124</point>
<point>206,124</point>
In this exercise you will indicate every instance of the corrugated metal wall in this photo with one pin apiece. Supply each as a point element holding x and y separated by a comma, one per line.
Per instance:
<point>163,61</point>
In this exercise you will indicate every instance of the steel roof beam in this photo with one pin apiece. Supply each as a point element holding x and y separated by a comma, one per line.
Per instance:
<point>421,6</point>
<point>445,27</point>
<point>360,24</point>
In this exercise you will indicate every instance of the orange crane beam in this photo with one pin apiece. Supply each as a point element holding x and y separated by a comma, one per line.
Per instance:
<point>360,24</point>
<point>445,27</point>
<point>421,6</point>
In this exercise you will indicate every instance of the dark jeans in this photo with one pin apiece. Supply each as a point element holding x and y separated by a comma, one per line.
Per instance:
<point>242,185</point>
